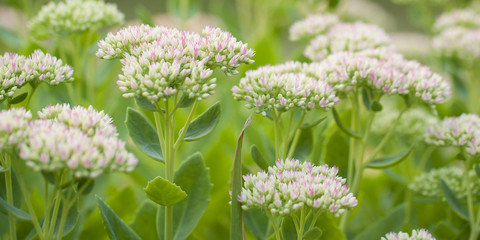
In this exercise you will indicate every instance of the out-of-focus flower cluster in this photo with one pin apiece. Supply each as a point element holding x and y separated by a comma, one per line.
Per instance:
<point>74,16</point>
<point>392,74</point>
<point>17,70</point>
<point>428,184</point>
<point>413,123</point>
<point>81,140</point>
<point>12,126</point>
<point>418,234</point>
<point>458,34</point>
<point>331,36</point>
<point>159,62</point>
<point>283,87</point>
<point>462,131</point>
<point>291,185</point>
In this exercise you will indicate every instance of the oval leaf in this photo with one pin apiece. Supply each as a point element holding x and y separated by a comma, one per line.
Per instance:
<point>194,178</point>
<point>143,134</point>
<point>19,98</point>
<point>288,228</point>
<point>145,103</point>
<point>313,234</point>
<point>143,221</point>
<point>309,125</point>
<point>164,192</point>
<point>366,96</point>
<point>203,124</point>
<point>340,125</point>
<point>185,101</point>
<point>392,222</point>
<point>390,160</point>
<point>116,228</point>
<point>19,213</point>
<point>258,157</point>
<point>454,202</point>
<point>86,189</point>
<point>257,221</point>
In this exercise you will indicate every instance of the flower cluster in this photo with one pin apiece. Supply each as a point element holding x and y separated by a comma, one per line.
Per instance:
<point>291,185</point>
<point>454,131</point>
<point>17,70</point>
<point>458,34</point>
<point>81,140</point>
<point>392,75</point>
<point>12,126</point>
<point>312,26</point>
<point>428,184</point>
<point>283,87</point>
<point>159,62</point>
<point>75,16</point>
<point>419,234</point>
<point>352,37</point>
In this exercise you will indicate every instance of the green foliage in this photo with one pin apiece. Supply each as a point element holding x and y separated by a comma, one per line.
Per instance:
<point>143,221</point>
<point>258,157</point>
<point>390,160</point>
<point>454,202</point>
<point>193,178</point>
<point>392,222</point>
<point>19,213</point>
<point>164,192</point>
<point>143,134</point>
<point>257,222</point>
<point>117,229</point>
<point>204,123</point>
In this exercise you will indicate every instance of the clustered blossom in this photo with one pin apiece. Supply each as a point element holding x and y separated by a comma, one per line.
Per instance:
<point>159,62</point>
<point>81,140</point>
<point>428,184</point>
<point>283,87</point>
<point>419,234</point>
<point>291,185</point>
<point>17,70</point>
<point>312,26</point>
<point>73,16</point>
<point>391,75</point>
<point>12,126</point>
<point>347,37</point>
<point>454,131</point>
<point>458,34</point>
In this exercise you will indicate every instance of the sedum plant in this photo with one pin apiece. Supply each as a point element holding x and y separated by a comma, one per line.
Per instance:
<point>166,69</point>
<point>418,234</point>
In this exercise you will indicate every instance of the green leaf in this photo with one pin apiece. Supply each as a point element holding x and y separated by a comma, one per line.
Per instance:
<point>446,230</point>
<point>309,125</point>
<point>390,160</point>
<point>49,177</point>
<point>288,228</point>
<point>164,192</point>
<point>328,225</point>
<point>185,101</point>
<point>304,145</point>
<point>258,157</point>
<point>70,222</point>
<point>203,124</point>
<point>392,222</point>
<point>237,230</point>
<point>143,222</point>
<point>193,177</point>
<point>145,103</point>
<point>2,169</point>
<point>346,130</point>
<point>19,213</point>
<point>454,202</point>
<point>257,222</point>
<point>86,188</point>
<point>143,134</point>
<point>366,96</point>
<point>116,228</point>
<point>313,234</point>
<point>19,98</point>
<point>377,106</point>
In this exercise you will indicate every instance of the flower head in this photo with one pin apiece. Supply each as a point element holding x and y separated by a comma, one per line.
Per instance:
<point>283,87</point>
<point>418,234</point>
<point>454,131</point>
<point>17,70</point>
<point>290,185</point>
<point>428,184</point>
<point>348,37</point>
<point>312,26</point>
<point>159,62</point>
<point>73,16</point>
<point>12,127</point>
<point>79,139</point>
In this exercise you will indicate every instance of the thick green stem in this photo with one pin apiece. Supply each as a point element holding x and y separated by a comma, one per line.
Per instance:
<point>67,204</point>
<point>296,136</point>
<point>56,207</point>
<point>169,165</point>
<point>471,216</point>
<point>274,224</point>
<point>302,224</point>
<point>8,184</point>
<point>29,98</point>
<point>276,126</point>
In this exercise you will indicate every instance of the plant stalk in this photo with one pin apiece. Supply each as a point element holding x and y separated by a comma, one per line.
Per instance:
<point>8,184</point>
